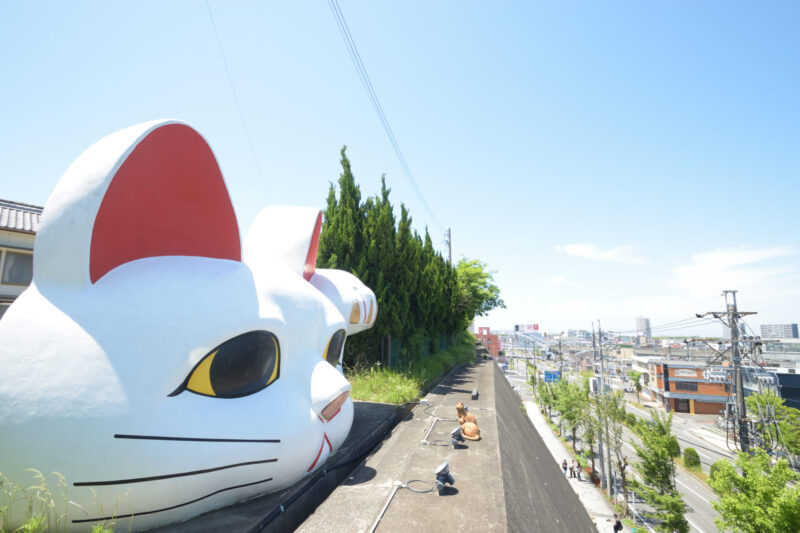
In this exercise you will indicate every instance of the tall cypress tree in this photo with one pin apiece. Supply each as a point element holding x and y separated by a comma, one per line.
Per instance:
<point>405,274</point>
<point>341,238</point>
<point>420,295</point>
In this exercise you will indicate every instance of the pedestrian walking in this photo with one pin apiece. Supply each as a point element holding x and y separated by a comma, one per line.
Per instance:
<point>572,468</point>
<point>578,471</point>
<point>564,466</point>
<point>617,524</point>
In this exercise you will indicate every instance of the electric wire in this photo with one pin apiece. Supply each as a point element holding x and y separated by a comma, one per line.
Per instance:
<point>368,87</point>
<point>236,99</point>
<point>669,326</point>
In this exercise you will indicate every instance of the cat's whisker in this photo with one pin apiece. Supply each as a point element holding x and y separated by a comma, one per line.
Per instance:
<point>169,476</point>
<point>193,439</point>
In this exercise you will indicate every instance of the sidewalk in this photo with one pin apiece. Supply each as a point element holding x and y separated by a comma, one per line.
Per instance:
<point>710,437</point>
<point>596,505</point>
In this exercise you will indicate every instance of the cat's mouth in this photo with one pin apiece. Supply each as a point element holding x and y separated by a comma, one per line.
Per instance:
<point>322,453</point>
<point>328,413</point>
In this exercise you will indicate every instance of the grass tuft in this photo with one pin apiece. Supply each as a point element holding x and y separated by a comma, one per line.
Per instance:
<point>408,382</point>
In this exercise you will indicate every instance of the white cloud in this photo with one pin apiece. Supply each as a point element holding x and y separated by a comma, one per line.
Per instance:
<point>767,278</point>
<point>740,268</point>
<point>618,254</point>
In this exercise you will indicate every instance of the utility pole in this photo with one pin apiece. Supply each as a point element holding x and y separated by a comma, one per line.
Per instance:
<point>605,418</point>
<point>733,321</point>
<point>603,480</point>
<point>733,315</point>
<point>450,246</point>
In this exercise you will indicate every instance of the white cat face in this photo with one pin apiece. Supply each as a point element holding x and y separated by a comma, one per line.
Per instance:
<point>158,371</point>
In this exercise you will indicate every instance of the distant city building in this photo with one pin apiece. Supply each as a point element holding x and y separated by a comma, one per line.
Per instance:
<point>643,327</point>
<point>18,225</point>
<point>779,331</point>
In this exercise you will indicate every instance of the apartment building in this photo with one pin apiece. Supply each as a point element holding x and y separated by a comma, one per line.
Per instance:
<point>681,386</point>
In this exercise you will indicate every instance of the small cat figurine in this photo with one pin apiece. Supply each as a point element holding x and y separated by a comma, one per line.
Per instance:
<point>161,370</point>
<point>469,426</point>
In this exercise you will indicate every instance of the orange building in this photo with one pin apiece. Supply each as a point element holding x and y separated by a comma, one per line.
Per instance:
<point>680,386</point>
<point>492,342</point>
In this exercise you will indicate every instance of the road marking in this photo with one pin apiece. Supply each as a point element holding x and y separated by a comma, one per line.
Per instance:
<point>694,525</point>
<point>690,488</point>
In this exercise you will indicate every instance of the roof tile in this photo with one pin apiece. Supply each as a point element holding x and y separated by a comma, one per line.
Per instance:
<point>16,216</point>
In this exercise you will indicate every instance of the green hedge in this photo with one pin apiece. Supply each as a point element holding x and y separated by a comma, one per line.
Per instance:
<point>690,458</point>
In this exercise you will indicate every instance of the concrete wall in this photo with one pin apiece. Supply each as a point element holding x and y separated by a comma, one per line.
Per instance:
<point>536,491</point>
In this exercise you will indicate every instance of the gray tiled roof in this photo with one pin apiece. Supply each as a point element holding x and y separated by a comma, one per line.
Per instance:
<point>16,216</point>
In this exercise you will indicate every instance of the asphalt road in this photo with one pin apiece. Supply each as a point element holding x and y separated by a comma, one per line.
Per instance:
<point>696,495</point>
<point>681,428</point>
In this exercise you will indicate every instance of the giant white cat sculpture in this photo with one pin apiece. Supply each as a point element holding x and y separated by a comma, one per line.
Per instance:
<point>147,362</point>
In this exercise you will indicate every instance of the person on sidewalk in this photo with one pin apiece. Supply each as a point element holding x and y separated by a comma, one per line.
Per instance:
<point>617,524</point>
<point>578,470</point>
<point>572,468</point>
<point>564,466</point>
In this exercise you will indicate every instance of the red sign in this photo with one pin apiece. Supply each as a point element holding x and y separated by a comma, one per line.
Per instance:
<point>536,327</point>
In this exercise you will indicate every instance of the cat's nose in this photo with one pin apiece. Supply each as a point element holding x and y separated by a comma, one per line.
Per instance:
<point>329,390</point>
<point>333,408</point>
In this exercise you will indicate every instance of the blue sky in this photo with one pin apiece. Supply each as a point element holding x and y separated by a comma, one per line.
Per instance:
<point>606,159</point>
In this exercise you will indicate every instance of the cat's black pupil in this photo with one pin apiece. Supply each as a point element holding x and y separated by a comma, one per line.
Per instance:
<point>243,364</point>
<point>335,347</point>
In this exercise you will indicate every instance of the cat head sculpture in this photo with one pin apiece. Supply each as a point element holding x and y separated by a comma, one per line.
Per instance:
<point>159,369</point>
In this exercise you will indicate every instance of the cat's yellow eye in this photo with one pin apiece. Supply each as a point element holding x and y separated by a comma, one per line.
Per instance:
<point>334,348</point>
<point>238,367</point>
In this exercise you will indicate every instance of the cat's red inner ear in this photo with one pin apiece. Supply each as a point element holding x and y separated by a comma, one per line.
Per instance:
<point>167,198</point>
<point>311,257</point>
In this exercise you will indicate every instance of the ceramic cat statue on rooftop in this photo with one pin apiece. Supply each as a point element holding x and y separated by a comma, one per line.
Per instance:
<point>161,370</point>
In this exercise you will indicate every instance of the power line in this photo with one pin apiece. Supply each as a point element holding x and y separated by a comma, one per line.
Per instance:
<point>675,325</point>
<point>365,81</point>
<point>236,99</point>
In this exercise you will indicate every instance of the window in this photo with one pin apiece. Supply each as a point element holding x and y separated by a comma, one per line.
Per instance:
<point>18,268</point>
<point>3,309</point>
<point>685,385</point>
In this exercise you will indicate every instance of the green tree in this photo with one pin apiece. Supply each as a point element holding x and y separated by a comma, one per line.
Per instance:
<point>547,398</point>
<point>476,290</point>
<point>341,238</point>
<point>378,270</point>
<point>656,452</point>
<point>573,404</point>
<point>760,499</point>
<point>406,275</point>
<point>613,408</point>
<point>636,378</point>
<point>777,423</point>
